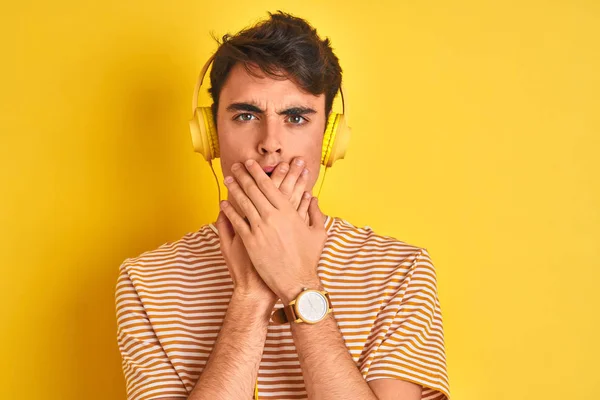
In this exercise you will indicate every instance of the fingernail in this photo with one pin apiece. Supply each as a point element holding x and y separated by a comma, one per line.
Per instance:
<point>224,204</point>
<point>235,166</point>
<point>249,163</point>
<point>299,161</point>
<point>228,179</point>
<point>305,171</point>
<point>284,168</point>
<point>306,195</point>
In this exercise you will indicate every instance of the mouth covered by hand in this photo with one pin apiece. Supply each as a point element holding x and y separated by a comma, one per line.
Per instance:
<point>290,178</point>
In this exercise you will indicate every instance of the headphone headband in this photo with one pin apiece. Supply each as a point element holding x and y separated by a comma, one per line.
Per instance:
<point>203,74</point>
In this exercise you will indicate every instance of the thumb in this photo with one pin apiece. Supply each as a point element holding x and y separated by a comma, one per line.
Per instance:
<point>225,229</point>
<point>317,219</point>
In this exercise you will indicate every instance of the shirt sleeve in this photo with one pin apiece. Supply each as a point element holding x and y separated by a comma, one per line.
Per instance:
<point>410,337</point>
<point>148,372</point>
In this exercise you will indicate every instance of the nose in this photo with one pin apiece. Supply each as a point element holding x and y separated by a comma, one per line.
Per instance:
<point>270,139</point>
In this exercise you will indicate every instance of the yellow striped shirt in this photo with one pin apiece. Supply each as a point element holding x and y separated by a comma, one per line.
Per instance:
<point>171,302</point>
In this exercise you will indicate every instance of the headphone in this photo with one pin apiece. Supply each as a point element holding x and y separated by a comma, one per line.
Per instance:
<point>206,142</point>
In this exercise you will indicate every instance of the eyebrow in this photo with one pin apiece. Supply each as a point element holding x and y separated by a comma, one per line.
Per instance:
<point>294,110</point>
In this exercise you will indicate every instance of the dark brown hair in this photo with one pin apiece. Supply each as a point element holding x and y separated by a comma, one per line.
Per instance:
<point>283,47</point>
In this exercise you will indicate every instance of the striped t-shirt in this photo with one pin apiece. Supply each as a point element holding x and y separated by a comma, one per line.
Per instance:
<point>171,303</point>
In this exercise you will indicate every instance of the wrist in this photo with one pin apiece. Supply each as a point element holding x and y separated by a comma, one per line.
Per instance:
<point>255,297</point>
<point>290,294</point>
<point>250,310</point>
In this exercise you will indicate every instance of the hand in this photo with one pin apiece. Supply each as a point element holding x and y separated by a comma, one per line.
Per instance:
<point>246,280</point>
<point>284,250</point>
<point>291,182</point>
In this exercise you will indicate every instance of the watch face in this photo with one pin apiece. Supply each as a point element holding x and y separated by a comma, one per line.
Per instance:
<point>312,306</point>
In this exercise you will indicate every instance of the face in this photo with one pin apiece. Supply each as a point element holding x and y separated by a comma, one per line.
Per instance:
<point>270,121</point>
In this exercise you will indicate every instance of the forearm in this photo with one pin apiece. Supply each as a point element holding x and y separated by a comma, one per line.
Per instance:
<point>327,367</point>
<point>233,364</point>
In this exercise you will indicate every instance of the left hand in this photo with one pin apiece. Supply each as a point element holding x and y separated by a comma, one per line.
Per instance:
<point>284,250</point>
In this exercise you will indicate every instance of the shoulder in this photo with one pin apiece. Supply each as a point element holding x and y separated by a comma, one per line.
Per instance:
<point>345,238</point>
<point>172,256</point>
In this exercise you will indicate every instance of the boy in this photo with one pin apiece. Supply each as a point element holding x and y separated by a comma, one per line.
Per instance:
<point>208,316</point>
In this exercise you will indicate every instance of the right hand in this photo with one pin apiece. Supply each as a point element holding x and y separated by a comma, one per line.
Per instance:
<point>246,281</point>
<point>291,182</point>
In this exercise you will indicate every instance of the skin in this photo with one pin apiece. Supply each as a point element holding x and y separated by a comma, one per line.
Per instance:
<point>268,137</point>
<point>274,252</point>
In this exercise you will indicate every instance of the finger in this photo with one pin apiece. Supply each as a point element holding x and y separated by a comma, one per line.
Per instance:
<point>279,173</point>
<point>303,207</point>
<point>243,202</point>
<point>317,219</point>
<point>249,185</point>
<point>298,191</point>
<point>287,186</point>
<point>225,230</point>
<point>273,198</point>
<point>239,225</point>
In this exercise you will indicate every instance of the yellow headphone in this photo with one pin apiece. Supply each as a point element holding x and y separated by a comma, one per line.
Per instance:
<point>206,142</point>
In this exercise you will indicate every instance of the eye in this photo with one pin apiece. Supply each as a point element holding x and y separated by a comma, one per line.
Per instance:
<point>297,120</point>
<point>244,117</point>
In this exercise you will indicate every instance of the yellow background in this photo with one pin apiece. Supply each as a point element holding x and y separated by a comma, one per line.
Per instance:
<point>476,135</point>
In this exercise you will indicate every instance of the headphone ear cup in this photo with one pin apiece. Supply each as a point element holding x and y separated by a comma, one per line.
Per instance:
<point>211,131</point>
<point>204,134</point>
<point>328,137</point>
<point>335,139</point>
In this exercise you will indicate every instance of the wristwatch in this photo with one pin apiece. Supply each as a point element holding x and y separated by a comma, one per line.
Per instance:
<point>310,306</point>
